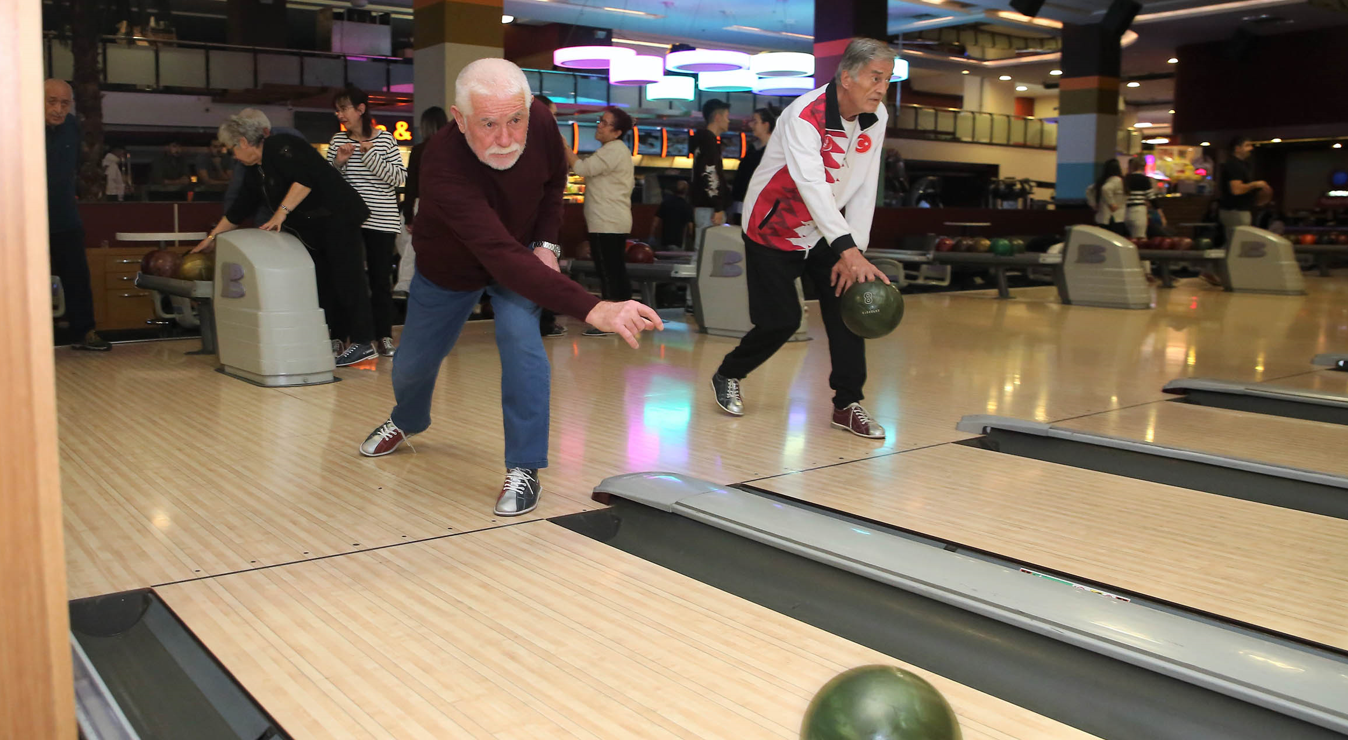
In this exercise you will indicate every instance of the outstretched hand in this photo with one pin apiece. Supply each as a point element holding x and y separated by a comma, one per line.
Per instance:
<point>627,319</point>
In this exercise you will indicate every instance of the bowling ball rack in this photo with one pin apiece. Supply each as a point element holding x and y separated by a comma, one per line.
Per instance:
<point>200,291</point>
<point>996,264</point>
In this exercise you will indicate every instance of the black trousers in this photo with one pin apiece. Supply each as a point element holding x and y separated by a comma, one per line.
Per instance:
<point>379,248</point>
<point>609,252</point>
<point>774,309</point>
<point>69,262</point>
<point>339,267</point>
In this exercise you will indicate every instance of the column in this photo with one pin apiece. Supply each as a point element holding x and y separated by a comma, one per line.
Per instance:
<point>448,35</point>
<point>836,22</point>
<point>1088,106</point>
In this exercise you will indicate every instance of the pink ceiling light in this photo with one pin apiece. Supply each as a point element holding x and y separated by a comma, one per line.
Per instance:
<point>637,70</point>
<point>706,60</point>
<point>590,57</point>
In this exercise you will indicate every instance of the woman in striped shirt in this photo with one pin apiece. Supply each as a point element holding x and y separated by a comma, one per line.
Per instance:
<point>369,159</point>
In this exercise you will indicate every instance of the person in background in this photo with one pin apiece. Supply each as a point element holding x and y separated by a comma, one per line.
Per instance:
<point>215,166</point>
<point>490,213</point>
<point>65,230</point>
<point>674,219</point>
<point>1141,193</point>
<point>1106,195</point>
<point>1237,190</point>
<point>710,194</point>
<point>116,174</point>
<point>309,199</point>
<point>432,119</point>
<point>547,320</point>
<point>369,159</point>
<point>609,178</point>
<point>236,178</point>
<point>761,124</point>
<point>171,166</point>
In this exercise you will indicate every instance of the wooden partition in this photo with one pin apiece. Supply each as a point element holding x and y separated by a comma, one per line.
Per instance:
<point>36,693</point>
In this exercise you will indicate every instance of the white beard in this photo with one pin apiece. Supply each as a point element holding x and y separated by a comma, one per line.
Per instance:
<point>515,149</point>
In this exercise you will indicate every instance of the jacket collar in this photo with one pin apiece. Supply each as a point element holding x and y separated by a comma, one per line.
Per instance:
<point>833,118</point>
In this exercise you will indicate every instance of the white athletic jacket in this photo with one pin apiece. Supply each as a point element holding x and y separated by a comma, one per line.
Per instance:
<point>812,172</point>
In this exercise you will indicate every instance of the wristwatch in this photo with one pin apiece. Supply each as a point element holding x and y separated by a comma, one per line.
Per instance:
<point>556,249</point>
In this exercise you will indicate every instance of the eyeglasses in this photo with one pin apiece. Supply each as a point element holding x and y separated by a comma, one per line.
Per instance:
<point>604,122</point>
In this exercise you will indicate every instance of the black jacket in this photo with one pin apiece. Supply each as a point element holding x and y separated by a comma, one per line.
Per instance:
<point>287,160</point>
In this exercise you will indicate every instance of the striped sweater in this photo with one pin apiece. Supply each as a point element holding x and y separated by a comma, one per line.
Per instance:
<point>376,175</point>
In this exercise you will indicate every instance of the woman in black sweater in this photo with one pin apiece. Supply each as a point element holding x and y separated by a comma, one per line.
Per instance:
<point>312,201</point>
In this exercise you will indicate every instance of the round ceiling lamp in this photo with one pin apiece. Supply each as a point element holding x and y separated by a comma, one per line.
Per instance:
<point>590,57</point>
<point>734,80</point>
<point>782,64</point>
<point>636,70</point>
<point>783,85</point>
<point>697,61</point>
<point>900,70</point>
<point>671,88</point>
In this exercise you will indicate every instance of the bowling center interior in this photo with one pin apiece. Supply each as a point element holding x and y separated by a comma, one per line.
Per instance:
<point>997,390</point>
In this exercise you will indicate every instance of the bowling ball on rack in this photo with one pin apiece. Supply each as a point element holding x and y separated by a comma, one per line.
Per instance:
<point>964,244</point>
<point>1307,239</point>
<point>197,267</point>
<point>880,703</point>
<point>1139,242</point>
<point>1017,245</point>
<point>872,309</point>
<point>163,263</point>
<point>145,262</point>
<point>944,244</point>
<point>982,244</point>
<point>1341,240</point>
<point>1184,244</point>
<point>1002,247</point>
<point>1202,243</point>
<point>640,253</point>
<point>1329,239</point>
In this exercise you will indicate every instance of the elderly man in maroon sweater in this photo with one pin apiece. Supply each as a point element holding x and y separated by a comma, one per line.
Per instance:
<point>491,210</point>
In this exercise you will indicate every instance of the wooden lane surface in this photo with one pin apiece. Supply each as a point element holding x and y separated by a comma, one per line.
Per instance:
<point>528,632</point>
<point>1297,443</point>
<point>173,471</point>
<point>1279,569</point>
<point>1322,381</point>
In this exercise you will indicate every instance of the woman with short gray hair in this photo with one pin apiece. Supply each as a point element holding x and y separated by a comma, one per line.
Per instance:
<point>312,201</point>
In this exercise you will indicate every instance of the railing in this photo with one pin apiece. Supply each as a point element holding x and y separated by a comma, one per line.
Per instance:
<point>953,124</point>
<point>158,64</point>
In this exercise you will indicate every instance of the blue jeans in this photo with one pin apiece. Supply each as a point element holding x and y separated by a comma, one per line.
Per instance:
<point>435,316</point>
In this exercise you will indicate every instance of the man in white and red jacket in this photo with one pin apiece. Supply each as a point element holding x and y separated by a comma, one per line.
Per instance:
<point>808,211</point>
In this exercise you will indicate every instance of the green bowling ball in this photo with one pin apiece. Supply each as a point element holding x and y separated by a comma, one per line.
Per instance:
<point>872,309</point>
<point>878,702</point>
<point>1202,243</point>
<point>1002,247</point>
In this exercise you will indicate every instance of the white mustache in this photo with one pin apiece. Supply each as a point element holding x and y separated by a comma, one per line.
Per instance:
<point>503,150</point>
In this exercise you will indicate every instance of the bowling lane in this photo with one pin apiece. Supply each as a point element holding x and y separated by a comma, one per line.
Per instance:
<point>528,631</point>
<point>1322,381</point>
<point>1278,569</point>
<point>1276,440</point>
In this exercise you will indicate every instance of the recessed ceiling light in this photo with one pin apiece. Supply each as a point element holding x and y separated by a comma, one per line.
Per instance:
<point>1171,111</point>
<point>964,71</point>
<point>1338,145</point>
<point>1172,60</point>
<point>1142,124</point>
<point>1135,84</point>
<point>1275,141</point>
<point>1021,88</point>
<point>1206,143</point>
<point>1054,72</point>
<point>1005,78</point>
<point>507,18</point>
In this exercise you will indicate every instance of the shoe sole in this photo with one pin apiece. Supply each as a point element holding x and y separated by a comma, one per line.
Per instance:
<point>82,348</point>
<point>518,513</point>
<point>718,402</point>
<point>853,431</point>
<point>380,454</point>
<point>357,362</point>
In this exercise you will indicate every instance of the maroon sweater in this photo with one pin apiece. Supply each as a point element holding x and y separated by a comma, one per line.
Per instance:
<point>475,222</point>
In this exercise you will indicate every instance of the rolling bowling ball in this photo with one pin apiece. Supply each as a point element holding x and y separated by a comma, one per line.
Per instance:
<point>197,267</point>
<point>1184,244</point>
<point>163,263</point>
<point>583,251</point>
<point>1017,245</point>
<point>879,702</point>
<point>1307,238</point>
<point>872,309</point>
<point>1202,243</point>
<point>982,244</point>
<point>945,244</point>
<point>1002,247</point>
<point>640,253</point>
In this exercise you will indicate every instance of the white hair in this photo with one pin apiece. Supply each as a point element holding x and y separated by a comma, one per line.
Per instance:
<point>253,114</point>
<point>861,52</point>
<point>243,127</point>
<point>491,77</point>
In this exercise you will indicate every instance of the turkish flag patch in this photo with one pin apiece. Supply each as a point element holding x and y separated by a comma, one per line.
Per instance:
<point>863,143</point>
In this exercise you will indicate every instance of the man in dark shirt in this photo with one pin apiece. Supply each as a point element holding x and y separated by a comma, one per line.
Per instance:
<point>670,228</point>
<point>710,194</point>
<point>171,167</point>
<point>65,230</point>
<point>1238,191</point>
<point>491,184</point>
